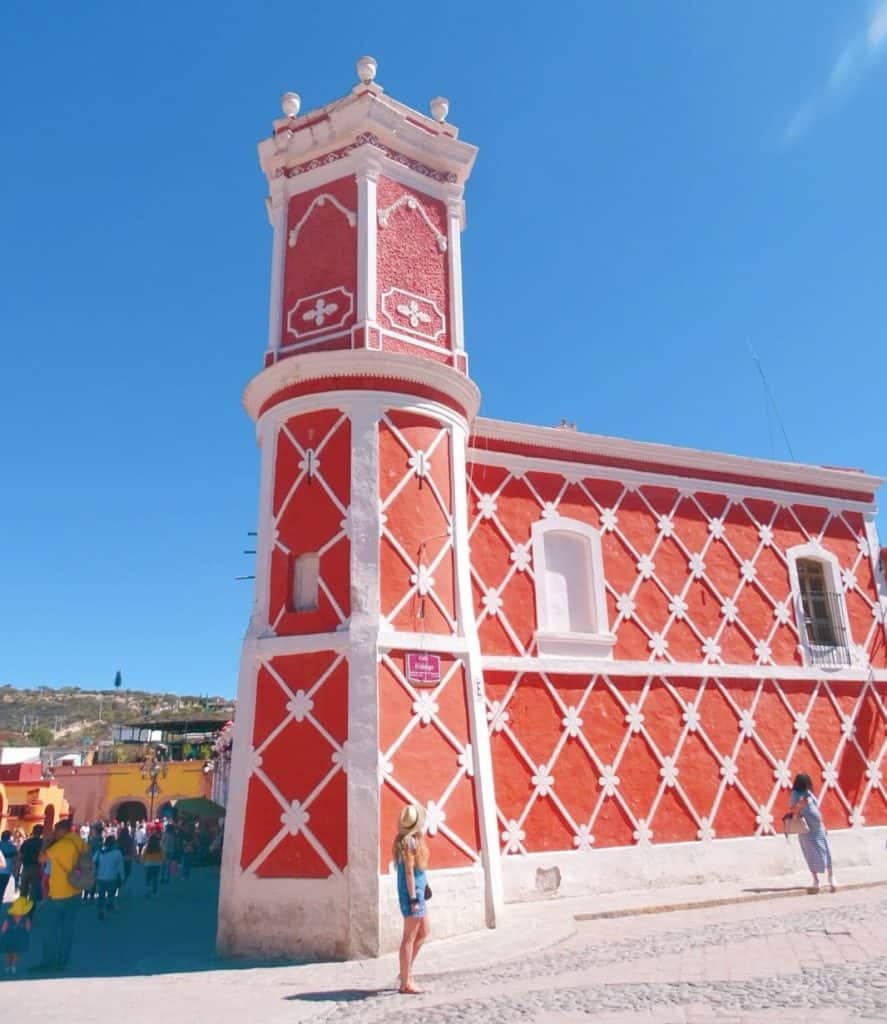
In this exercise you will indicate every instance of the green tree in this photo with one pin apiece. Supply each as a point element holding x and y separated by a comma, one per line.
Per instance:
<point>41,736</point>
<point>118,680</point>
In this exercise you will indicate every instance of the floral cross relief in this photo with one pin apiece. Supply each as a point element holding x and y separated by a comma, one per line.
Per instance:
<point>413,313</point>
<point>319,313</point>
<point>404,311</point>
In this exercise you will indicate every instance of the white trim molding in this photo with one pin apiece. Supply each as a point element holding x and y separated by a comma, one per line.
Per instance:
<point>360,364</point>
<point>529,663</point>
<point>879,570</point>
<point>701,462</point>
<point>651,477</point>
<point>277,208</point>
<point>585,598</point>
<point>367,179</point>
<point>454,253</point>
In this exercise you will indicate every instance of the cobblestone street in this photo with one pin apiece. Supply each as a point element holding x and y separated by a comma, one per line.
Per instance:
<point>820,959</point>
<point>817,959</point>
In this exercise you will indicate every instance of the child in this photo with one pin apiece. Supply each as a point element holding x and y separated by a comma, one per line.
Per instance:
<point>410,856</point>
<point>15,932</point>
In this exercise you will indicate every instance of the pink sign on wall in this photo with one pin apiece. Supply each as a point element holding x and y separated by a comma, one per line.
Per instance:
<point>423,668</point>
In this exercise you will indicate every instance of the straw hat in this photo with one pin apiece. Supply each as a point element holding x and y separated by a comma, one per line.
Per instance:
<point>21,906</point>
<point>411,821</point>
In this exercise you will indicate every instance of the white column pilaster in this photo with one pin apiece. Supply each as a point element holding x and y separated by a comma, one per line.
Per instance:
<point>277,206</point>
<point>229,921</point>
<point>477,711</point>
<point>871,536</point>
<point>454,256</point>
<point>267,431</point>
<point>363,703</point>
<point>367,230</point>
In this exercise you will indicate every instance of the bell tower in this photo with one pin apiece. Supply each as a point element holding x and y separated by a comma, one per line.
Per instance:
<point>360,684</point>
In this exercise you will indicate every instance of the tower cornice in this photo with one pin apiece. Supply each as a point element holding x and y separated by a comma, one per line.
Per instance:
<point>366,117</point>
<point>364,370</point>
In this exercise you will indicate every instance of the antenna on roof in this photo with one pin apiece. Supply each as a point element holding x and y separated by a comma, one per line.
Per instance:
<point>769,401</point>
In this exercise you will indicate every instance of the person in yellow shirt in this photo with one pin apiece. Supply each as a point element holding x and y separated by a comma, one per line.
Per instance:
<point>58,914</point>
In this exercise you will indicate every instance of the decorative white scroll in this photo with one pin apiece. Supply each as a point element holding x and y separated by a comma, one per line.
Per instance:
<point>320,200</point>
<point>412,203</point>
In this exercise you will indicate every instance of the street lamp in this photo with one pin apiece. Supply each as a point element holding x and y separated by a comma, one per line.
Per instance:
<point>153,768</point>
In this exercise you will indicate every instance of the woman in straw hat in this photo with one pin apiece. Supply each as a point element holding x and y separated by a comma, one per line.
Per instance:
<point>410,854</point>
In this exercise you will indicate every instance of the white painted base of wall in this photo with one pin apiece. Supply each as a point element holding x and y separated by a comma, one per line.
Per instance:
<point>628,868</point>
<point>283,917</point>
<point>456,907</point>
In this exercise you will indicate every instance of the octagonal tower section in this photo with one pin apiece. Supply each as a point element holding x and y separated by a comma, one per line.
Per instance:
<point>360,686</point>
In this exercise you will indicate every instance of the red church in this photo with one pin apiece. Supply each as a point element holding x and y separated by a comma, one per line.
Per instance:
<point>577,652</point>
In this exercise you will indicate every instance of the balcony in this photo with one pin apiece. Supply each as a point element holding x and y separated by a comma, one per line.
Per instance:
<point>825,638</point>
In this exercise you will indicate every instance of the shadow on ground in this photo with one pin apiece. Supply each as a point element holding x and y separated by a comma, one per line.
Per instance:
<point>342,995</point>
<point>172,933</point>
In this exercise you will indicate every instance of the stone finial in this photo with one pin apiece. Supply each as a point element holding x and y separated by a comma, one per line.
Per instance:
<point>440,107</point>
<point>291,103</point>
<point>366,69</point>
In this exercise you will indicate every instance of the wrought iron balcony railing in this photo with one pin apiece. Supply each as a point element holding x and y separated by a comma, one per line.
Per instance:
<point>824,633</point>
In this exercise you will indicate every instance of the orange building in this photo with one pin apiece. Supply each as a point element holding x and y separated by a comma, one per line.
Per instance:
<point>27,799</point>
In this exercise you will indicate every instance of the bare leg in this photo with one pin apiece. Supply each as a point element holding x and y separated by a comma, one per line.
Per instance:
<point>815,885</point>
<point>421,935</point>
<point>410,929</point>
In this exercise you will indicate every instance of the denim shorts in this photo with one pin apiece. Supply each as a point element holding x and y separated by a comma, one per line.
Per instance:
<point>411,910</point>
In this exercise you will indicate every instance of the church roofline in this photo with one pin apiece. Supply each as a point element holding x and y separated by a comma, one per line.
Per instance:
<point>559,442</point>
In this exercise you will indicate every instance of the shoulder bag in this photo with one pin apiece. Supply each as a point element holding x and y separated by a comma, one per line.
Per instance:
<point>794,825</point>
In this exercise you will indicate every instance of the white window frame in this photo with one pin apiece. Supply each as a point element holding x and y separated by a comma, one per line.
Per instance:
<point>597,643</point>
<point>818,655</point>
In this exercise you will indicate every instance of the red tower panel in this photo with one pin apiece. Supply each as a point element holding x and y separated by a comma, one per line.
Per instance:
<point>296,821</point>
<point>425,757</point>
<point>413,272</point>
<point>417,582</point>
<point>312,493</point>
<point>320,278</point>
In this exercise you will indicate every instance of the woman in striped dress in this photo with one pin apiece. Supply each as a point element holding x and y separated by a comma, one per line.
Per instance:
<point>814,844</point>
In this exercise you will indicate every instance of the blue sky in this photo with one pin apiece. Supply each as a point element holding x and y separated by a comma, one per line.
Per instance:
<point>658,187</point>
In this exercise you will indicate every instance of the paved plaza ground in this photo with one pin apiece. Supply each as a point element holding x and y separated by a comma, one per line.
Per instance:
<point>780,956</point>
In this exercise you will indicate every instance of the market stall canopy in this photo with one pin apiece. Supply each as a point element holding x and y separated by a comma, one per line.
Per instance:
<point>200,807</point>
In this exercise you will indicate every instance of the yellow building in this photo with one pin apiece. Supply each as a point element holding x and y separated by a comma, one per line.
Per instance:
<point>110,792</point>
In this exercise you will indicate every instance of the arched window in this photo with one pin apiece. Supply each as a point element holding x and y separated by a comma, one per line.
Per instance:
<point>820,608</point>
<point>306,569</point>
<point>571,607</point>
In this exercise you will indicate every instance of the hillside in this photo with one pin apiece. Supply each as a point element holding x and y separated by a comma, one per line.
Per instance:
<point>72,715</point>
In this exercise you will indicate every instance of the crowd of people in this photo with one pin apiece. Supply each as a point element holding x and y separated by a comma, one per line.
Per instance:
<point>54,872</point>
